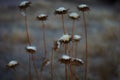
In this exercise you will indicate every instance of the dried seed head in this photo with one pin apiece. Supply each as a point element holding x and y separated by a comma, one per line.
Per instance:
<point>24,4</point>
<point>76,62</point>
<point>61,10</point>
<point>56,45</point>
<point>74,15</point>
<point>46,62</point>
<point>42,17</point>
<point>65,38</point>
<point>65,59</point>
<point>76,38</point>
<point>31,49</point>
<point>83,7</point>
<point>12,64</point>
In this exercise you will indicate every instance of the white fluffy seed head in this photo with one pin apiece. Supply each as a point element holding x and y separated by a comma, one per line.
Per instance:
<point>12,63</point>
<point>77,37</point>
<point>65,57</point>
<point>31,49</point>
<point>65,38</point>
<point>61,10</point>
<point>42,17</point>
<point>23,3</point>
<point>74,15</point>
<point>83,7</point>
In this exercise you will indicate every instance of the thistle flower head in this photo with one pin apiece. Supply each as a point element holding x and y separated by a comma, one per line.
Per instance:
<point>31,49</point>
<point>70,60</point>
<point>42,17</point>
<point>76,61</point>
<point>61,10</point>
<point>24,4</point>
<point>12,64</point>
<point>74,15</point>
<point>77,38</point>
<point>83,7</point>
<point>65,38</point>
<point>65,59</point>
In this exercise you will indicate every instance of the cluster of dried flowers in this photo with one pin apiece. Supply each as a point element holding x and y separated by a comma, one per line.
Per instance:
<point>65,41</point>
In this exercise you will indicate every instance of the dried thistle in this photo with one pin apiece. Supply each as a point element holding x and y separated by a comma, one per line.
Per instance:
<point>31,49</point>
<point>83,7</point>
<point>76,62</point>
<point>65,59</point>
<point>76,38</point>
<point>61,10</point>
<point>12,64</point>
<point>42,17</point>
<point>46,62</point>
<point>74,16</point>
<point>65,39</point>
<point>24,4</point>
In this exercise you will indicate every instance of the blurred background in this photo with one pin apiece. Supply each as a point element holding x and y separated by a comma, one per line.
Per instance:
<point>103,25</point>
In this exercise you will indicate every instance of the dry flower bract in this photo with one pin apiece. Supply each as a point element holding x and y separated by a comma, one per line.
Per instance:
<point>76,38</point>
<point>69,60</point>
<point>24,4</point>
<point>65,59</point>
<point>31,49</point>
<point>65,38</point>
<point>76,61</point>
<point>12,64</point>
<point>83,7</point>
<point>56,45</point>
<point>42,17</point>
<point>61,10</point>
<point>74,15</point>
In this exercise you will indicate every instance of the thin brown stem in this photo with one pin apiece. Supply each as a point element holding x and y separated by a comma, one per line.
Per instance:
<point>64,30</point>
<point>72,50</point>
<point>44,40</point>
<point>66,66</point>
<point>73,27</point>
<point>86,48</point>
<point>35,68</point>
<point>66,72</point>
<point>73,73</point>
<point>26,25</point>
<point>52,63</point>
<point>30,75</point>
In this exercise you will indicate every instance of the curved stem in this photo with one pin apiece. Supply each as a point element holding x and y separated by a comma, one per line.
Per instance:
<point>27,32</point>
<point>86,48</point>
<point>44,40</point>
<point>64,30</point>
<point>35,68</point>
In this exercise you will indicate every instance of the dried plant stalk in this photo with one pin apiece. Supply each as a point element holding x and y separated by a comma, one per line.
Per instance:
<point>52,64</point>
<point>64,30</point>
<point>86,48</point>
<point>44,39</point>
<point>35,68</point>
